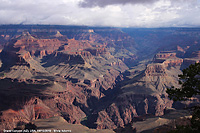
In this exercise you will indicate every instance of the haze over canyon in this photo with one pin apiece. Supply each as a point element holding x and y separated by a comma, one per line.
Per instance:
<point>94,77</point>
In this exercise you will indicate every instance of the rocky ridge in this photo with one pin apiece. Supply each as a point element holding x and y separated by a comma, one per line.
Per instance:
<point>144,94</point>
<point>81,75</point>
<point>67,73</point>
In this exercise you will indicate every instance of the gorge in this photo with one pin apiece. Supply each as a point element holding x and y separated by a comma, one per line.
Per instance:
<point>100,77</point>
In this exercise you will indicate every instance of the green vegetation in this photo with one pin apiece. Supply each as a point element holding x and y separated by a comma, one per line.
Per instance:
<point>190,86</point>
<point>84,119</point>
<point>2,75</point>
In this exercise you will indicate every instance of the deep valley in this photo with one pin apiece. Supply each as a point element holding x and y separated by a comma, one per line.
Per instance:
<point>102,78</point>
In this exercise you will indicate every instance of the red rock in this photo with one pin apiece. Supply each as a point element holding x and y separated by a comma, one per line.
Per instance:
<point>165,55</point>
<point>173,62</point>
<point>155,69</point>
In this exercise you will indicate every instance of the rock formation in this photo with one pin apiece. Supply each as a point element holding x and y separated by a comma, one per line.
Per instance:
<point>99,77</point>
<point>67,73</point>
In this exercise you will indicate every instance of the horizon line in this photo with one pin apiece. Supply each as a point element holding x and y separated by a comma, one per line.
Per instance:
<point>100,26</point>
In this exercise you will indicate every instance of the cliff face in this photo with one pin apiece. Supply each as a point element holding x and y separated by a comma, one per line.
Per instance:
<point>155,70</point>
<point>67,73</point>
<point>144,94</point>
<point>192,55</point>
<point>125,109</point>
<point>168,59</point>
<point>97,51</point>
<point>165,55</point>
<point>173,62</point>
<point>81,75</point>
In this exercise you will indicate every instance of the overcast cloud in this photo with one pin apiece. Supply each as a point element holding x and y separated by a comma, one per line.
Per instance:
<point>120,13</point>
<point>103,3</point>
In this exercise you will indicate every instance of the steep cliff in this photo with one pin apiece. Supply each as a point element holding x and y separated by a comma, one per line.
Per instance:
<point>143,94</point>
<point>56,77</point>
<point>88,75</point>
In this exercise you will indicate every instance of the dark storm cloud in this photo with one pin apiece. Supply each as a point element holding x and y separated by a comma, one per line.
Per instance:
<point>122,13</point>
<point>103,3</point>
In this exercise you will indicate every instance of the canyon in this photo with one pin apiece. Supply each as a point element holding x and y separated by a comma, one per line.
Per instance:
<point>100,77</point>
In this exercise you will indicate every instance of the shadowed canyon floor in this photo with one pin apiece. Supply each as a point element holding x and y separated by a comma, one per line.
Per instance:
<point>102,78</point>
<point>60,124</point>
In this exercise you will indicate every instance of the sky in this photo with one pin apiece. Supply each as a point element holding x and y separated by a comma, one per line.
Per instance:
<point>115,13</point>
